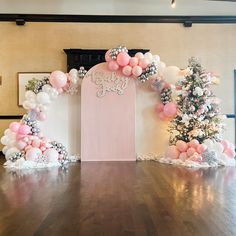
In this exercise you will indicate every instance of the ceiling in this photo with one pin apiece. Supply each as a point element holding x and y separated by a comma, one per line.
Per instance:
<point>118,7</point>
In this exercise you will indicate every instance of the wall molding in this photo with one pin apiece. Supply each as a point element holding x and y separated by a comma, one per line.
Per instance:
<point>187,21</point>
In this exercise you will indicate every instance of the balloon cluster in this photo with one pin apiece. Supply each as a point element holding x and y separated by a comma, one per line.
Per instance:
<point>32,123</point>
<point>166,112</point>
<point>141,66</point>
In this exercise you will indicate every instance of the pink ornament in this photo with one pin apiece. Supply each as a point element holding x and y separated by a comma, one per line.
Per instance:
<point>52,155</point>
<point>159,107</point>
<point>182,146</point>
<point>194,143</point>
<point>143,63</point>
<point>139,55</point>
<point>201,148</point>
<point>107,56</point>
<point>183,156</point>
<point>137,71</point>
<point>33,154</point>
<point>172,152</point>
<point>58,79</point>
<point>123,58</point>
<point>133,61</point>
<point>113,66</point>
<point>191,151</point>
<point>170,109</point>
<point>14,126</point>
<point>42,116</point>
<point>127,70</point>
<point>230,152</point>
<point>24,129</point>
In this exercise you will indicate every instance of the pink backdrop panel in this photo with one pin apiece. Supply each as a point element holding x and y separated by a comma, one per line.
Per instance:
<point>107,117</point>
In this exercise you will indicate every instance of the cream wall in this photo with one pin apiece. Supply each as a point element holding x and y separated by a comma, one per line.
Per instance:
<point>38,47</point>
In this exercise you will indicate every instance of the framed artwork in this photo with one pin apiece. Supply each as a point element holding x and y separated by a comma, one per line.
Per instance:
<point>22,80</point>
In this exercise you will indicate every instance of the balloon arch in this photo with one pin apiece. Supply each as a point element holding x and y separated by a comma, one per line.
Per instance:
<point>186,102</point>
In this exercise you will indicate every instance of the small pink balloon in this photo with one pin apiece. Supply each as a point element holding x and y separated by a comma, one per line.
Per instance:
<point>127,70</point>
<point>172,152</point>
<point>52,155</point>
<point>33,154</point>
<point>230,152</point>
<point>123,58</point>
<point>170,109</point>
<point>162,116</point>
<point>139,55</point>
<point>143,63</point>
<point>182,146</point>
<point>195,157</point>
<point>159,107</point>
<point>14,126</point>
<point>42,116</point>
<point>58,79</point>
<point>113,66</point>
<point>201,148</point>
<point>107,56</point>
<point>36,143</point>
<point>137,71</point>
<point>225,144</point>
<point>21,145</point>
<point>133,61</point>
<point>193,143</point>
<point>24,129</point>
<point>191,151</point>
<point>183,156</point>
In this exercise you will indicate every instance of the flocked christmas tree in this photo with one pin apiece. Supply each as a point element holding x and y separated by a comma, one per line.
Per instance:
<point>198,109</point>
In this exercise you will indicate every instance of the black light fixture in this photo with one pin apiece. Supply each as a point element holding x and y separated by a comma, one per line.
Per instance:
<point>173,4</point>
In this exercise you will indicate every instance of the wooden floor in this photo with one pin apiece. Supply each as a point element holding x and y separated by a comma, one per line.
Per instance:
<point>143,198</point>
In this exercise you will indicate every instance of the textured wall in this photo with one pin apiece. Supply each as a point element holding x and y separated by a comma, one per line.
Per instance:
<point>38,47</point>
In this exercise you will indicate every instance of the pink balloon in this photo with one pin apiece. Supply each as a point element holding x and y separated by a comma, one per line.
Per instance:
<point>143,63</point>
<point>195,157</point>
<point>191,151</point>
<point>194,143</point>
<point>172,152</point>
<point>201,148</point>
<point>230,152</point>
<point>225,144</point>
<point>107,56</point>
<point>127,70</point>
<point>133,61</point>
<point>170,109</point>
<point>14,126</point>
<point>123,58</point>
<point>24,129</point>
<point>36,143</point>
<point>183,156</point>
<point>58,79</point>
<point>32,154</point>
<point>182,146</point>
<point>113,66</point>
<point>159,107</point>
<point>21,145</point>
<point>162,116</point>
<point>139,55</point>
<point>137,71</point>
<point>52,155</point>
<point>42,116</point>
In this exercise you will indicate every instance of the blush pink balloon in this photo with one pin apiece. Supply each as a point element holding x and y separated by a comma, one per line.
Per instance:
<point>230,152</point>
<point>127,70</point>
<point>42,116</point>
<point>172,152</point>
<point>194,143</point>
<point>24,129</point>
<point>32,154</point>
<point>58,79</point>
<point>52,155</point>
<point>225,144</point>
<point>123,58</point>
<point>182,146</point>
<point>159,107</point>
<point>107,56</point>
<point>36,143</point>
<point>191,151</point>
<point>201,148</point>
<point>183,156</point>
<point>139,55</point>
<point>170,109</point>
<point>14,126</point>
<point>143,63</point>
<point>113,66</point>
<point>137,71</point>
<point>21,145</point>
<point>162,116</point>
<point>133,61</point>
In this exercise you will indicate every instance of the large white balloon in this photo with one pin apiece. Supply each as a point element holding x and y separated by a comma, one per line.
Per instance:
<point>171,74</point>
<point>4,150</point>
<point>161,67</point>
<point>33,154</point>
<point>30,95</point>
<point>43,98</point>
<point>52,155</point>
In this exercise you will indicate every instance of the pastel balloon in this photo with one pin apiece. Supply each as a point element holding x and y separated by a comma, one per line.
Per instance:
<point>191,151</point>
<point>159,107</point>
<point>21,145</point>
<point>58,79</point>
<point>42,116</point>
<point>161,68</point>
<point>4,150</point>
<point>137,71</point>
<point>170,109</point>
<point>36,143</point>
<point>156,58</point>
<point>24,129</point>
<point>43,98</point>
<point>201,148</point>
<point>52,155</point>
<point>123,58</point>
<point>30,95</point>
<point>218,147</point>
<point>107,56</point>
<point>73,72</point>
<point>143,63</point>
<point>14,126</point>
<point>172,152</point>
<point>225,144</point>
<point>133,61</point>
<point>171,74</point>
<point>139,55</point>
<point>113,66</point>
<point>148,56</point>
<point>127,70</point>
<point>194,143</point>
<point>183,156</point>
<point>162,116</point>
<point>33,154</point>
<point>4,140</point>
<point>182,146</point>
<point>230,153</point>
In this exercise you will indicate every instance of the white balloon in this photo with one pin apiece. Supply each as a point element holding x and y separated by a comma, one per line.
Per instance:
<point>4,140</point>
<point>33,154</point>
<point>52,155</point>
<point>148,56</point>
<point>29,95</point>
<point>171,74</point>
<point>43,98</point>
<point>4,150</point>
<point>7,132</point>
<point>43,108</point>
<point>46,88</point>
<point>156,58</point>
<point>218,147</point>
<point>73,72</point>
<point>161,67</point>
<point>209,143</point>
<point>11,151</point>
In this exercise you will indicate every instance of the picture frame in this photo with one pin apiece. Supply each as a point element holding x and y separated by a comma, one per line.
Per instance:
<point>22,80</point>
